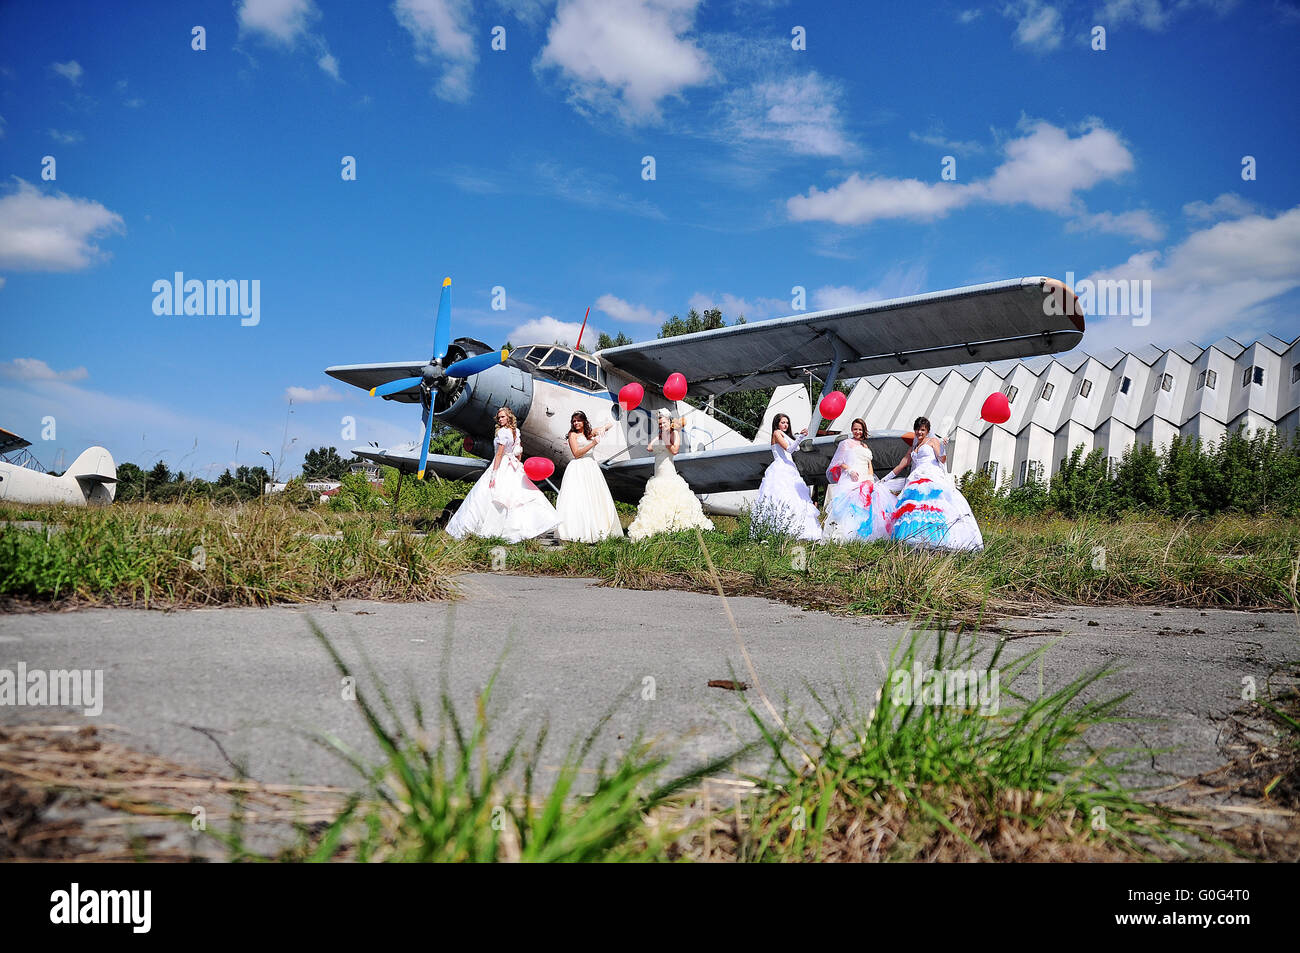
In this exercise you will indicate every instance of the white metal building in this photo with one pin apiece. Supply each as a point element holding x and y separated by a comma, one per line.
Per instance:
<point>1111,400</point>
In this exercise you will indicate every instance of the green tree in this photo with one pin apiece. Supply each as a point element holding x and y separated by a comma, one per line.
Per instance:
<point>323,463</point>
<point>741,410</point>
<point>605,341</point>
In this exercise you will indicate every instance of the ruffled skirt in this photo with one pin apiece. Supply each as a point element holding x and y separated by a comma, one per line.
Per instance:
<point>931,512</point>
<point>667,505</point>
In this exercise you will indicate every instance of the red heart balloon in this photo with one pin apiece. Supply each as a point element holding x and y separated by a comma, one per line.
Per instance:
<point>538,468</point>
<point>630,395</point>
<point>832,405</point>
<point>996,409</point>
<point>675,387</point>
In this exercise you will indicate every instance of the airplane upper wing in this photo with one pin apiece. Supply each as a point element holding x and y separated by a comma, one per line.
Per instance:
<point>742,468</point>
<point>408,461</point>
<point>368,376</point>
<point>990,322</point>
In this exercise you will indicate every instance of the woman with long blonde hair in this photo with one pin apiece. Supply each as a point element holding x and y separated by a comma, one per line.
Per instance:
<point>504,502</point>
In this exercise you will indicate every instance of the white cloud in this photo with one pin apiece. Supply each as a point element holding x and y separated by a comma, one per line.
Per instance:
<point>625,56</point>
<point>1156,14</point>
<point>620,310</point>
<point>2,127</point>
<point>732,307</point>
<point>71,71</point>
<point>1219,280</point>
<point>329,64</point>
<point>547,330</point>
<point>1227,205</point>
<point>2,282</point>
<point>1038,25</point>
<point>314,395</point>
<point>440,29</point>
<point>70,138</point>
<point>1134,224</point>
<point>969,16</point>
<point>800,112</point>
<point>859,201</point>
<point>279,21</point>
<point>56,232</point>
<point>33,369</point>
<point>940,141</point>
<point>1044,168</point>
<point>283,23</point>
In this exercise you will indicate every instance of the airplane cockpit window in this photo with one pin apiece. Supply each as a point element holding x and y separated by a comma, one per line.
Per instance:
<point>534,355</point>
<point>557,358</point>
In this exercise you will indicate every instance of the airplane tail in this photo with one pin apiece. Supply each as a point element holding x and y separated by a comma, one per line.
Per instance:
<point>95,474</point>
<point>791,400</point>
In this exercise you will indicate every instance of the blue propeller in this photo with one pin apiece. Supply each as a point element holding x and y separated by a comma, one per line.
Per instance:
<point>432,372</point>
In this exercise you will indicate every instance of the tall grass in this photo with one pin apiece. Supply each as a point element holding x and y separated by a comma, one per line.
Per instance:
<point>905,778</point>
<point>176,555</point>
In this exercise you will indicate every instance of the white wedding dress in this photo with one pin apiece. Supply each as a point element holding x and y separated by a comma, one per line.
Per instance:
<point>931,510</point>
<point>585,506</point>
<point>514,509</point>
<point>860,509</point>
<point>668,503</point>
<point>784,502</point>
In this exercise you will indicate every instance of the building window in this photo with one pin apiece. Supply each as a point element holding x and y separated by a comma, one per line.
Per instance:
<point>1047,391</point>
<point>991,468</point>
<point>1030,471</point>
<point>1167,382</point>
<point>1259,375</point>
<point>1124,385</point>
<point>1200,380</point>
<point>1112,464</point>
<point>1211,378</point>
<point>1011,391</point>
<point>1295,373</point>
<point>1085,388</point>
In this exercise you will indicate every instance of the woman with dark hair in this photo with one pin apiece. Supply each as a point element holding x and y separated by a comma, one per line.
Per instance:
<point>931,510</point>
<point>784,503</point>
<point>861,506</point>
<point>585,506</point>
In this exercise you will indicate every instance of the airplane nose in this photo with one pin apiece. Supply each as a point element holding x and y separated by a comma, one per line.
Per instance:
<point>474,409</point>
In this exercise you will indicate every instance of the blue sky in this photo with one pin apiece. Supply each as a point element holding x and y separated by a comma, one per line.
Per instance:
<point>775,167</point>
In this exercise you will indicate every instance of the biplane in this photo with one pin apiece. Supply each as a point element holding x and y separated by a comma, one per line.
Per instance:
<point>92,478</point>
<point>465,381</point>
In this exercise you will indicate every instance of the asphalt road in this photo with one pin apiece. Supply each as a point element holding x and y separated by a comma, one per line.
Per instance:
<point>220,687</point>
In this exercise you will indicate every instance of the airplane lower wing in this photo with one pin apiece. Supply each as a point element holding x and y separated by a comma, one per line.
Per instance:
<point>408,461</point>
<point>990,322</point>
<point>742,468</point>
<point>370,376</point>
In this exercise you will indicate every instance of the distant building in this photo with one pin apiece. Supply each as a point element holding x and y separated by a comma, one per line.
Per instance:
<point>1111,400</point>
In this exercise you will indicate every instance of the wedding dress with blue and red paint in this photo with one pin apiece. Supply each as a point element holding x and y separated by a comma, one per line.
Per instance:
<point>931,511</point>
<point>860,507</point>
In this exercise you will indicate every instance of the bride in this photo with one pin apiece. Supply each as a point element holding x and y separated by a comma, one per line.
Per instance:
<point>585,506</point>
<point>861,507</point>
<point>931,510</point>
<point>504,502</point>
<point>668,503</point>
<point>784,502</point>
